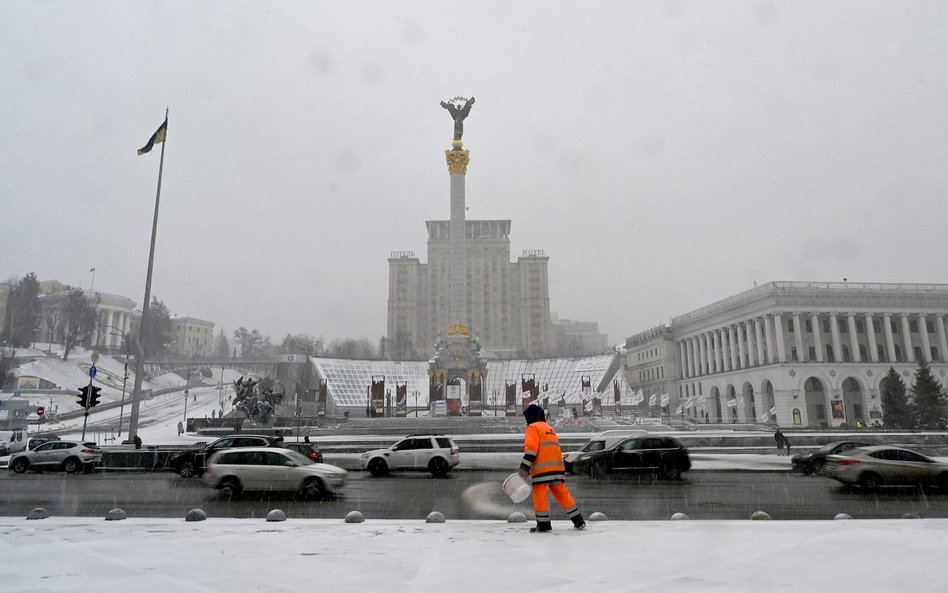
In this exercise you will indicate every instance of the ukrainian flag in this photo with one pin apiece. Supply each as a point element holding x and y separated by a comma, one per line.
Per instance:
<point>157,138</point>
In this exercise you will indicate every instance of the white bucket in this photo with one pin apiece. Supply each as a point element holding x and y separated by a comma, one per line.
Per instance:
<point>517,488</point>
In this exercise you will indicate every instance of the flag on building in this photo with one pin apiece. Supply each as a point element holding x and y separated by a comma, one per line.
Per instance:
<point>92,269</point>
<point>664,400</point>
<point>157,138</point>
<point>652,399</point>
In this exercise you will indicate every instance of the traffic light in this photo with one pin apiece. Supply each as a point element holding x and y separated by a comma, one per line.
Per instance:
<point>94,396</point>
<point>83,399</point>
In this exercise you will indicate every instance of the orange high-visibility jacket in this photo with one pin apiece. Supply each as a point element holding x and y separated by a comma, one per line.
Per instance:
<point>542,456</point>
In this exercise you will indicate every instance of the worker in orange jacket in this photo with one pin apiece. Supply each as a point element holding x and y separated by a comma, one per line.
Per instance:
<point>543,462</point>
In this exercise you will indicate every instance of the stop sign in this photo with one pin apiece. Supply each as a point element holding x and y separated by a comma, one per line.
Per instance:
<point>40,411</point>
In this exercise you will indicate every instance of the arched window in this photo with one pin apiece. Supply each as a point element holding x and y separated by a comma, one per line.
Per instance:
<point>898,354</point>
<point>881,353</point>
<point>863,353</point>
<point>847,355</point>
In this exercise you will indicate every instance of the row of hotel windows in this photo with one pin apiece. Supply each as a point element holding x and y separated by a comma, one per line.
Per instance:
<point>651,374</point>
<point>650,353</point>
<point>860,326</point>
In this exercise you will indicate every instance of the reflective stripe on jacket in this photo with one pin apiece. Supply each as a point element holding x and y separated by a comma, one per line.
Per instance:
<point>542,456</point>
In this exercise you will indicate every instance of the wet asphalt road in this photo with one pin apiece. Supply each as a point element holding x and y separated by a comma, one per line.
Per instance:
<point>470,495</point>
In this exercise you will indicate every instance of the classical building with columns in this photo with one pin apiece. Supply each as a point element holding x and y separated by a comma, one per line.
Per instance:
<point>801,354</point>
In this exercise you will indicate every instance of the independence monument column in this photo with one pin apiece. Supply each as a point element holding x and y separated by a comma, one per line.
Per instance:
<point>457,158</point>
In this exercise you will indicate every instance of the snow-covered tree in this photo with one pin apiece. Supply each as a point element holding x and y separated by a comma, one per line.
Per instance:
<point>930,399</point>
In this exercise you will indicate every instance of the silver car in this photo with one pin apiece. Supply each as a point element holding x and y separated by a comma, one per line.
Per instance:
<point>71,456</point>
<point>234,471</point>
<point>881,465</point>
<point>433,453</point>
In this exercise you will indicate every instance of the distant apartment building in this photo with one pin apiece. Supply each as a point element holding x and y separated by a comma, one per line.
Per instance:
<point>797,354</point>
<point>191,337</point>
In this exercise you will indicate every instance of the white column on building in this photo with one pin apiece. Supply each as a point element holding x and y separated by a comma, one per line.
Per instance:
<point>702,357</point>
<point>853,336</point>
<point>730,340</point>
<point>778,335</point>
<point>834,335</point>
<point>817,336</point>
<point>752,359</point>
<point>709,351</point>
<point>798,337</point>
<point>942,342</point>
<point>741,350</point>
<point>718,352</point>
<point>692,357</point>
<point>907,338</point>
<point>889,340</point>
<point>923,332</point>
<point>769,336</point>
<point>759,341</point>
<point>871,333</point>
<point>683,360</point>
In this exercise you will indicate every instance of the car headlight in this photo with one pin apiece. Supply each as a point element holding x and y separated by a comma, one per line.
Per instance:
<point>583,458</point>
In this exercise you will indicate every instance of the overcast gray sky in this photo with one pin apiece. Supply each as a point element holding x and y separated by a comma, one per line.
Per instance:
<point>664,154</point>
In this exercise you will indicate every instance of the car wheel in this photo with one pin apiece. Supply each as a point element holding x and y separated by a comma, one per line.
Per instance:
<point>817,467</point>
<point>378,467</point>
<point>312,489</point>
<point>186,469</point>
<point>671,472</point>
<point>230,488</point>
<point>72,465</point>
<point>438,467</point>
<point>870,481</point>
<point>20,465</point>
<point>597,471</point>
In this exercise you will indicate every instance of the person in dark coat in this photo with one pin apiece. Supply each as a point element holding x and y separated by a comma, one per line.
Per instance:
<point>780,440</point>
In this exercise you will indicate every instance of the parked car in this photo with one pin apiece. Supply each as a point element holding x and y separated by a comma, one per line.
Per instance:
<point>306,449</point>
<point>271,469</point>
<point>663,455</point>
<point>599,442</point>
<point>883,465</point>
<point>190,462</point>
<point>71,456</point>
<point>435,453</point>
<point>812,463</point>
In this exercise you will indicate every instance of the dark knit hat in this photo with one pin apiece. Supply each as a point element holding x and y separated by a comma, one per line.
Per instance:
<point>534,413</point>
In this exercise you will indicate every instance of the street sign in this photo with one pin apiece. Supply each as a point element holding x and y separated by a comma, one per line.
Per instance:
<point>95,356</point>
<point>92,371</point>
<point>40,411</point>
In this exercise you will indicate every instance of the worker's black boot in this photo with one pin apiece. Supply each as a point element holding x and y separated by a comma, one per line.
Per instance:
<point>541,527</point>
<point>579,522</point>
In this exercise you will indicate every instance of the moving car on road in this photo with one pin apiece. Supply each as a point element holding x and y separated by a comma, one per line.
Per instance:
<point>884,465</point>
<point>190,462</point>
<point>812,463</point>
<point>599,442</point>
<point>70,456</point>
<point>306,449</point>
<point>271,469</point>
<point>659,454</point>
<point>435,453</point>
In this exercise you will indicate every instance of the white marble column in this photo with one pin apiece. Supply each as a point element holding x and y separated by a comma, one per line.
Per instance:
<point>769,336</point>
<point>817,336</point>
<point>889,340</point>
<point>778,336</point>
<point>923,332</point>
<point>798,337</point>
<point>853,336</point>
<point>709,339</point>
<point>759,340</point>
<point>834,334</point>
<point>730,340</point>
<point>907,338</point>
<point>718,352</point>
<point>741,351</point>
<point>692,357</point>
<point>871,333</point>
<point>702,355</point>
<point>942,342</point>
<point>683,364</point>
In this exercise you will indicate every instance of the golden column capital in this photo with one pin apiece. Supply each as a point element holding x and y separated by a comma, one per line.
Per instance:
<point>457,160</point>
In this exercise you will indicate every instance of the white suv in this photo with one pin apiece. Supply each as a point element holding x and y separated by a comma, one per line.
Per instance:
<point>425,452</point>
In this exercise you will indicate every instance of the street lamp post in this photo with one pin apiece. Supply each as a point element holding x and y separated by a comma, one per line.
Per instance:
<point>128,356</point>
<point>187,388</point>
<point>415,393</point>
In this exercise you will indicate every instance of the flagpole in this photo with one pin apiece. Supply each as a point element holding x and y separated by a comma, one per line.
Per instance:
<point>139,360</point>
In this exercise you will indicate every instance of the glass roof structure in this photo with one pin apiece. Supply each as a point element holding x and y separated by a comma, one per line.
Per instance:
<point>348,380</point>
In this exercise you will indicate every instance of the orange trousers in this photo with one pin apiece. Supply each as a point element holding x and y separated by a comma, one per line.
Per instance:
<point>541,499</point>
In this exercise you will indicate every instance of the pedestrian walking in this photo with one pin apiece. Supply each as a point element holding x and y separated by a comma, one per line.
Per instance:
<point>180,428</point>
<point>543,462</point>
<point>779,439</point>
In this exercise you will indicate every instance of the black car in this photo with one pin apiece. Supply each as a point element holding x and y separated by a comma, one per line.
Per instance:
<point>306,449</point>
<point>812,463</point>
<point>657,454</point>
<point>190,462</point>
